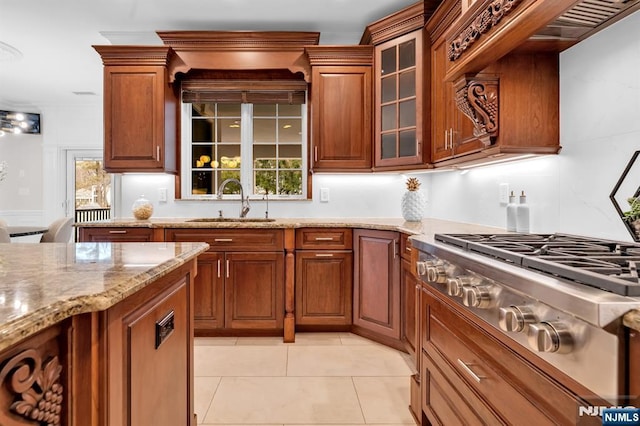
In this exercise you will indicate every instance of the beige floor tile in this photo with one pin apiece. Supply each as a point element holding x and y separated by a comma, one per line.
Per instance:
<point>354,339</point>
<point>285,400</point>
<point>240,360</point>
<point>318,339</point>
<point>380,424</point>
<point>384,399</point>
<point>260,341</point>
<point>203,389</point>
<point>346,361</point>
<point>214,341</point>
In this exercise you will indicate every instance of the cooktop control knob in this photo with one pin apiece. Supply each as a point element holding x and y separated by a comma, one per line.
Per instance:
<point>515,318</point>
<point>454,285</point>
<point>550,336</point>
<point>477,296</point>
<point>437,274</point>
<point>421,267</point>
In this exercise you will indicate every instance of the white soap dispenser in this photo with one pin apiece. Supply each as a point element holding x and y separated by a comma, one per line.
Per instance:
<point>522,214</point>
<point>511,213</point>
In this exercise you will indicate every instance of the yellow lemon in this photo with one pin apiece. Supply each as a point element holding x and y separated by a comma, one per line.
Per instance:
<point>205,159</point>
<point>214,164</point>
<point>232,164</point>
<point>199,163</point>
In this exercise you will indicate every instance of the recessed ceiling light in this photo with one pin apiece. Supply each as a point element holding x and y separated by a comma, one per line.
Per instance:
<point>85,93</point>
<point>286,126</point>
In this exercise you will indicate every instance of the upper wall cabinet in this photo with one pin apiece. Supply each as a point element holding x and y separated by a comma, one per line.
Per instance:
<point>340,108</point>
<point>401,109</point>
<point>140,109</point>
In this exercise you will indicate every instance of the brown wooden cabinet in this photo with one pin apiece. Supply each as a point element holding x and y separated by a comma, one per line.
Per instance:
<point>117,235</point>
<point>634,367</point>
<point>470,377</point>
<point>240,281</point>
<point>140,109</point>
<point>376,285</point>
<point>508,109</point>
<point>324,277</point>
<point>410,301</point>
<point>341,107</point>
<point>401,109</point>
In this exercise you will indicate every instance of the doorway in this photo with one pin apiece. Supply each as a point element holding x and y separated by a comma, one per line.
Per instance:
<point>89,187</point>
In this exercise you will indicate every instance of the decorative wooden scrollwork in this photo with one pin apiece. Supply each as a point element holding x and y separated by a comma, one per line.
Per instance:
<point>36,386</point>
<point>477,98</point>
<point>485,20</point>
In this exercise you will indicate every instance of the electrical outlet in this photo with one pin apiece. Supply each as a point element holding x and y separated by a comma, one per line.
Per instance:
<point>162,195</point>
<point>504,193</point>
<point>324,195</point>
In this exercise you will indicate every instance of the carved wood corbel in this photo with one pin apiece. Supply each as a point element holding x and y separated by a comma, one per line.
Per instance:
<point>477,98</point>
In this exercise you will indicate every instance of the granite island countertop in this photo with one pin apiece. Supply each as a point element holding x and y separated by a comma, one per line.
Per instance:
<point>43,284</point>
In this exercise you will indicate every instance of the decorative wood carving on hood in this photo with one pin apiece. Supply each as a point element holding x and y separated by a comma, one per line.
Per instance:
<point>477,98</point>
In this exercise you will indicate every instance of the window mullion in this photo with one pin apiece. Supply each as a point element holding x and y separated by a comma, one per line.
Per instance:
<point>246,149</point>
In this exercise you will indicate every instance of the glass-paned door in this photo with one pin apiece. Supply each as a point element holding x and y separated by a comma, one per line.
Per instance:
<point>89,187</point>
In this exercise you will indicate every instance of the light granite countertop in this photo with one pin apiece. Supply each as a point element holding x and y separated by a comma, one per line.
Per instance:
<point>426,227</point>
<point>43,284</point>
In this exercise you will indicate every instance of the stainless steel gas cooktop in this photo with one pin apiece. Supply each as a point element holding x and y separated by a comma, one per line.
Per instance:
<point>600,263</point>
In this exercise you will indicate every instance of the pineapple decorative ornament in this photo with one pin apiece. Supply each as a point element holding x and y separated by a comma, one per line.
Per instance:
<point>413,201</point>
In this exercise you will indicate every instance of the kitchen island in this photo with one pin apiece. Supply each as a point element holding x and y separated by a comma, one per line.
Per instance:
<point>97,333</point>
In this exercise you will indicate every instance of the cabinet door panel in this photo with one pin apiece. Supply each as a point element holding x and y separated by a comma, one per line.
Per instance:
<point>341,117</point>
<point>323,287</point>
<point>209,292</point>
<point>376,282</point>
<point>254,290</point>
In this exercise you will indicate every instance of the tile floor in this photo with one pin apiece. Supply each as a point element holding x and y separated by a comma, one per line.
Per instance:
<point>323,378</point>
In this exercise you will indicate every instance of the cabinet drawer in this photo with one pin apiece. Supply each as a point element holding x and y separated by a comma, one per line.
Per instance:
<point>513,387</point>
<point>324,239</point>
<point>230,239</point>
<point>405,246</point>
<point>111,234</point>
<point>447,401</point>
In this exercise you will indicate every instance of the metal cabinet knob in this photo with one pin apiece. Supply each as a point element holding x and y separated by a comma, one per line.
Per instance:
<point>550,336</point>
<point>455,285</point>
<point>515,318</point>
<point>477,296</point>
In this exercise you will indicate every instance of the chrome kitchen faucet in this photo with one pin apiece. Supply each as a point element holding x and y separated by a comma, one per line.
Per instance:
<point>244,206</point>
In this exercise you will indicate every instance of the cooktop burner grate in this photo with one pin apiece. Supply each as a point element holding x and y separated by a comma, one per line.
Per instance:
<point>608,265</point>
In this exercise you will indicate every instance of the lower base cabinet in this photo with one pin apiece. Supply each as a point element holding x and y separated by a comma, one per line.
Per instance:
<point>376,285</point>
<point>469,377</point>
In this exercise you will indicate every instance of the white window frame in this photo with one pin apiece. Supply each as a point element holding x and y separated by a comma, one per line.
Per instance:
<point>246,150</point>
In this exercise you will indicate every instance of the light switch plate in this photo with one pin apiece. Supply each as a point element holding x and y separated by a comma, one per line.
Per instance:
<point>162,195</point>
<point>504,193</point>
<point>324,195</point>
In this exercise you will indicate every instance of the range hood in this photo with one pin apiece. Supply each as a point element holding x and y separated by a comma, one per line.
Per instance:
<point>585,19</point>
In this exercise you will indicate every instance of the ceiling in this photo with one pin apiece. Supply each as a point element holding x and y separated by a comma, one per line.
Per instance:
<point>54,38</point>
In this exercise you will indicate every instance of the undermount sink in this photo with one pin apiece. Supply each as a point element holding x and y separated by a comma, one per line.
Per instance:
<point>230,219</point>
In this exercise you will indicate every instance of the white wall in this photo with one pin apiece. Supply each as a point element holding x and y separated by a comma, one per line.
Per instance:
<point>599,131</point>
<point>361,195</point>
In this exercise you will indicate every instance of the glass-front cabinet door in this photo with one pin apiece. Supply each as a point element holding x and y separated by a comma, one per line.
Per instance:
<point>399,110</point>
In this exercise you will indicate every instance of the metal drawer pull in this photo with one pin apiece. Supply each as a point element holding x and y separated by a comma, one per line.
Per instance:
<point>324,255</point>
<point>218,268</point>
<point>466,368</point>
<point>227,268</point>
<point>117,232</point>
<point>223,240</point>
<point>408,249</point>
<point>324,238</point>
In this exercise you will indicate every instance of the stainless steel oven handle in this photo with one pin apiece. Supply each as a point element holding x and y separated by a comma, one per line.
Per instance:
<point>465,367</point>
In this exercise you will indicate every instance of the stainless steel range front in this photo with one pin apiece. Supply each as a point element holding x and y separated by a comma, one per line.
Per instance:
<point>560,296</point>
